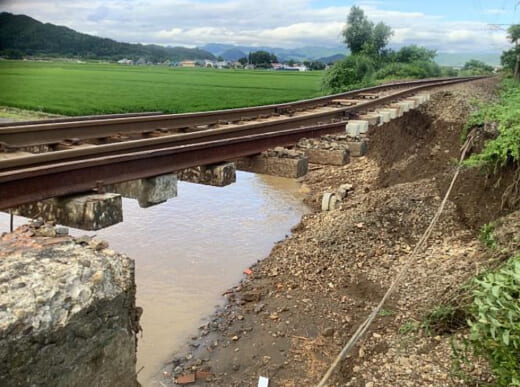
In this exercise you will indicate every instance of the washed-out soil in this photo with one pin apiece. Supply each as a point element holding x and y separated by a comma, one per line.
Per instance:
<point>292,314</point>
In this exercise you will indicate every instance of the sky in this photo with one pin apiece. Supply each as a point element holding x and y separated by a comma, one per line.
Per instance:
<point>444,25</point>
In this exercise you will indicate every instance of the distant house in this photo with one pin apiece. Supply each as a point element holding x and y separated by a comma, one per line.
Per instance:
<point>249,67</point>
<point>277,66</point>
<point>141,62</point>
<point>188,63</point>
<point>208,63</point>
<point>222,64</point>
<point>296,67</point>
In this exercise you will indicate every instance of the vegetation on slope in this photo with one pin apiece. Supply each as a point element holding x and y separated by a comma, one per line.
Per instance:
<point>21,35</point>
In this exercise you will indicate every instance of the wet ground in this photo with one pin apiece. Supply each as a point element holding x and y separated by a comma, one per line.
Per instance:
<point>192,248</point>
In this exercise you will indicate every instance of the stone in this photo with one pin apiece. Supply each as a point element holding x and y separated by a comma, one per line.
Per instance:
<point>328,332</point>
<point>78,326</point>
<point>357,148</point>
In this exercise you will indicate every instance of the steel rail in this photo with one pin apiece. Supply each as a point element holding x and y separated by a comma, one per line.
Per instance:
<point>308,120</point>
<point>78,118</point>
<point>64,178</point>
<point>51,133</point>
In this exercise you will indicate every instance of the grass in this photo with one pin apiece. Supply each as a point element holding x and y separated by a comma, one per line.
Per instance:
<point>91,88</point>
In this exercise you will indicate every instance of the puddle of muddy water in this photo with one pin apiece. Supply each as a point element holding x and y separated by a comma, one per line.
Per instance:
<point>190,249</point>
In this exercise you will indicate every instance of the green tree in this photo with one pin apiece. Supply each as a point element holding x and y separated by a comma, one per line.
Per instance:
<point>413,53</point>
<point>381,37</point>
<point>262,59</point>
<point>358,30</point>
<point>514,36</point>
<point>361,36</point>
<point>477,67</point>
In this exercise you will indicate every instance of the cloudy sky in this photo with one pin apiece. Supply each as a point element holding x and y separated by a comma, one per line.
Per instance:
<point>445,25</point>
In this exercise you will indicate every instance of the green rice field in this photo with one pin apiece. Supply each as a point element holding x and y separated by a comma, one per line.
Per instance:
<point>91,88</point>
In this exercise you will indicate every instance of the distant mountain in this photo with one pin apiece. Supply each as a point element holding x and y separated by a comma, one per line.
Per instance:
<point>27,36</point>
<point>331,59</point>
<point>283,54</point>
<point>459,59</point>
<point>233,54</point>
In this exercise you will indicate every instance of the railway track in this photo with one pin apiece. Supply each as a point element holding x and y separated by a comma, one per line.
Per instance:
<point>45,159</point>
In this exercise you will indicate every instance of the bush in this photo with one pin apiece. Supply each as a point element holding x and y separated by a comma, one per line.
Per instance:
<point>419,69</point>
<point>506,114</point>
<point>352,72</point>
<point>495,322</point>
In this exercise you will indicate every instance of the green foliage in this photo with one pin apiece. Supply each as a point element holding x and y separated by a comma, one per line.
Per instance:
<point>508,58</point>
<point>495,321</point>
<point>476,67</point>
<point>506,114</point>
<point>413,53</point>
<point>371,61</point>
<point>409,327</point>
<point>409,70</point>
<point>487,235</point>
<point>262,59</point>
<point>78,89</point>
<point>358,31</point>
<point>353,72</point>
<point>33,38</point>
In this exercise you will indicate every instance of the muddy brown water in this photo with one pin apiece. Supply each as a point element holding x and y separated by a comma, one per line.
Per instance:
<point>192,248</point>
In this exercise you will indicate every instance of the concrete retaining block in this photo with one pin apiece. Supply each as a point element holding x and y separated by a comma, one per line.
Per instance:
<point>86,212</point>
<point>218,175</point>
<point>276,166</point>
<point>328,157</point>
<point>148,192</point>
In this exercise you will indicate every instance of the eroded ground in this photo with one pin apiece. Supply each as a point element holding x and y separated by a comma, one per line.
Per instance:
<point>292,315</point>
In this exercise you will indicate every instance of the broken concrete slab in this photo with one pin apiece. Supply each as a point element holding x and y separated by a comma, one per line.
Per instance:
<point>148,192</point>
<point>68,315</point>
<point>218,175</point>
<point>86,212</point>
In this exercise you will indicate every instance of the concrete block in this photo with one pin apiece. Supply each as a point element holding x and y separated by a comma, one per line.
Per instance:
<point>68,312</point>
<point>329,202</point>
<point>362,125</point>
<point>392,112</point>
<point>86,212</point>
<point>372,118</point>
<point>148,192</point>
<point>399,109</point>
<point>328,157</point>
<point>353,129</point>
<point>218,175</point>
<point>276,166</point>
<point>357,148</point>
<point>411,103</point>
<point>385,116</point>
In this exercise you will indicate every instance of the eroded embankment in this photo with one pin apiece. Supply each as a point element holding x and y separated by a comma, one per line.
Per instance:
<point>292,315</point>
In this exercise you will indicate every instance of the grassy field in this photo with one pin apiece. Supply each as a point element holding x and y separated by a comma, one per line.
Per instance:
<point>79,89</point>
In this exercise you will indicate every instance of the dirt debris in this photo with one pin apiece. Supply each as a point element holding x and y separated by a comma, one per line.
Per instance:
<point>296,309</point>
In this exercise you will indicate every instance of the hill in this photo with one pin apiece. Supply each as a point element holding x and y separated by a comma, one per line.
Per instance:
<point>23,35</point>
<point>233,54</point>
<point>283,54</point>
<point>331,59</point>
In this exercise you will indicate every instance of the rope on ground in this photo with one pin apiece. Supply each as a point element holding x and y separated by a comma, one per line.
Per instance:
<point>366,324</point>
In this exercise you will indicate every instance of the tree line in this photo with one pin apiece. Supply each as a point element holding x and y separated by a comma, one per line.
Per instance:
<point>370,59</point>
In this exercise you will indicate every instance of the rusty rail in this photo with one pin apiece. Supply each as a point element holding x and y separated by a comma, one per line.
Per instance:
<point>40,176</point>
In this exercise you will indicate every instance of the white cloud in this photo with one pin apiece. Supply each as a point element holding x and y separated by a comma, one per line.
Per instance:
<point>288,23</point>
